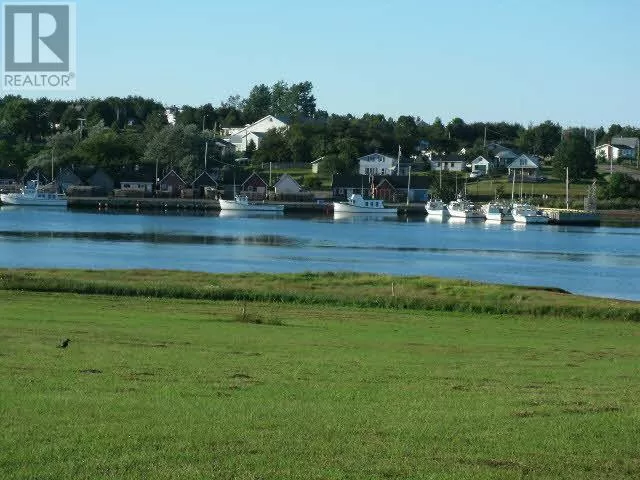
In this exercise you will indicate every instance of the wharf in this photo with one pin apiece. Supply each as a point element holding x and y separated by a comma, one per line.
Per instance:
<point>559,216</point>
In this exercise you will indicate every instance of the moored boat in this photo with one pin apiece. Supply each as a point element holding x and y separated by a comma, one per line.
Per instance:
<point>525,213</point>
<point>436,208</point>
<point>462,208</point>
<point>32,195</point>
<point>497,212</point>
<point>241,202</point>
<point>358,204</point>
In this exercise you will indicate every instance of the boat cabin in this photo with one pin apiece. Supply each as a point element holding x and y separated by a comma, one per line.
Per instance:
<point>358,201</point>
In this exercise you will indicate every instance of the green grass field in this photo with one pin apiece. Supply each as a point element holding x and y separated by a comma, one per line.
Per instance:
<point>186,388</point>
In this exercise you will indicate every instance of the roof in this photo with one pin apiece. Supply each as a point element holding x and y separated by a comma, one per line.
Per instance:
<point>506,153</point>
<point>479,159</point>
<point>622,146</point>
<point>175,173</point>
<point>376,157</point>
<point>204,179</point>
<point>630,142</point>
<point>286,176</point>
<point>523,161</point>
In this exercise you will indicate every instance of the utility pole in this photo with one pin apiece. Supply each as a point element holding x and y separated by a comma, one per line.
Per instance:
<point>409,186</point>
<point>204,117</point>
<point>206,148</point>
<point>484,145</point>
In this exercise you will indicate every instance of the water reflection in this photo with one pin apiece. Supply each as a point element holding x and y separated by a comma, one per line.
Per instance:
<point>155,237</point>
<point>250,214</point>
<point>436,219</point>
<point>363,217</point>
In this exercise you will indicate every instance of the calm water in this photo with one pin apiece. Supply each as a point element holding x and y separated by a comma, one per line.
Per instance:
<point>600,261</point>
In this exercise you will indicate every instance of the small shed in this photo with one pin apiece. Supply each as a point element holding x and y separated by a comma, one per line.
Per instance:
<point>286,185</point>
<point>172,184</point>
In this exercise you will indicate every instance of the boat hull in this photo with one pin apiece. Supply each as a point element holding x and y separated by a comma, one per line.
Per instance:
<point>541,219</point>
<point>339,207</point>
<point>250,207</point>
<point>466,215</point>
<point>18,199</point>
<point>437,212</point>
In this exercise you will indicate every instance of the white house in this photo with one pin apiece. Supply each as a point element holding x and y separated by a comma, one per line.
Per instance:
<point>481,164</point>
<point>376,164</point>
<point>286,184</point>
<point>618,148</point>
<point>240,137</point>
<point>452,163</point>
<point>524,165</point>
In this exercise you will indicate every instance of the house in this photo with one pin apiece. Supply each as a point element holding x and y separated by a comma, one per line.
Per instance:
<point>101,180</point>
<point>524,165</point>
<point>394,188</point>
<point>240,137</point>
<point>253,186</point>
<point>139,179</point>
<point>172,184</point>
<point>376,164</point>
<point>286,184</point>
<point>481,165</point>
<point>315,165</point>
<point>205,184</point>
<point>620,147</point>
<point>504,157</point>
<point>391,188</point>
<point>452,163</point>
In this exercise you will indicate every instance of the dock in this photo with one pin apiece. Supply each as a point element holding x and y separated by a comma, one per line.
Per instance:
<point>562,216</point>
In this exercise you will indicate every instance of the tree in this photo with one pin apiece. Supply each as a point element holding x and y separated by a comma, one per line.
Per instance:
<point>575,153</point>
<point>258,104</point>
<point>251,147</point>
<point>273,148</point>
<point>621,185</point>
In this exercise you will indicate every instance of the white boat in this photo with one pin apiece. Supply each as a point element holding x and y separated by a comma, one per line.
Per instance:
<point>32,195</point>
<point>358,204</point>
<point>436,208</point>
<point>241,202</point>
<point>462,208</point>
<point>497,212</point>
<point>525,213</point>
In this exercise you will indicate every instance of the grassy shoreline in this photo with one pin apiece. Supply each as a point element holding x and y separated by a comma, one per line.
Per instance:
<point>346,289</point>
<point>165,387</point>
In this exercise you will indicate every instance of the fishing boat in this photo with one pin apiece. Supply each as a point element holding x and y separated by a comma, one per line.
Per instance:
<point>436,208</point>
<point>525,213</point>
<point>358,204</point>
<point>241,202</point>
<point>462,208</point>
<point>32,195</point>
<point>497,212</point>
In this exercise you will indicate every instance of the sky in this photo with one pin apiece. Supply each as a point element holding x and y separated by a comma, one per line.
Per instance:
<point>574,62</point>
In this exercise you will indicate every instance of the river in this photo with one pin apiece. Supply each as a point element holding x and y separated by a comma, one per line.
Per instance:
<point>596,261</point>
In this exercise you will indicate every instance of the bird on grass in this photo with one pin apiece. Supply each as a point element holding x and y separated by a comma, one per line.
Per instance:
<point>64,343</point>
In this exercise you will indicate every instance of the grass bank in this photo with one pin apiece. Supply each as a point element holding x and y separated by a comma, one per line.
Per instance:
<point>346,289</point>
<point>170,388</point>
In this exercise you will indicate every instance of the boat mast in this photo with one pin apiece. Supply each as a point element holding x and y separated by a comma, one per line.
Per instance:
<point>513,185</point>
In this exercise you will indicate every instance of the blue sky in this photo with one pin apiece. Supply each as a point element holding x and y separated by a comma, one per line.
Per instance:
<point>570,61</point>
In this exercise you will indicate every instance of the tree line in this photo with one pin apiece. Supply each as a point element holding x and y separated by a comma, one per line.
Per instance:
<point>119,133</point>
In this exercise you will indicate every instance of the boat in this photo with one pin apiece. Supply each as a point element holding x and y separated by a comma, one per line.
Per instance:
<point>32,195</point>
<point>461,208</point>
<point>497,212</point>
<point>358,204</point>
<point>525,213</point>
<point>241,202</point>
<point>436,208</point>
